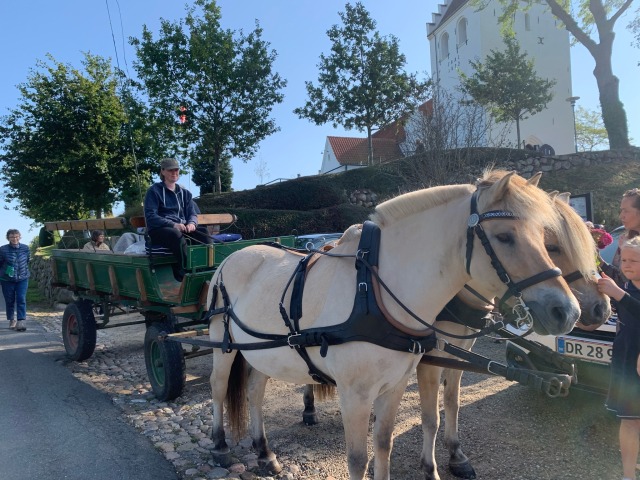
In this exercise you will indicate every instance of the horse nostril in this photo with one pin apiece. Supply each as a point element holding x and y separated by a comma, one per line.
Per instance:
<point>558,314</point>
<point>598,311</point>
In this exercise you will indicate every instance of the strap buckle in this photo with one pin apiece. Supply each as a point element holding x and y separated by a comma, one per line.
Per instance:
<point>292,342</point>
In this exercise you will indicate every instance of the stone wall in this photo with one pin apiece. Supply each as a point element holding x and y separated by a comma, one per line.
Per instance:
<point>531,165</point>
<point>41,273</point>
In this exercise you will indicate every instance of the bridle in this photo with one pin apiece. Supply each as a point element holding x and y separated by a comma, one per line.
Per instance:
<point>520,311</point>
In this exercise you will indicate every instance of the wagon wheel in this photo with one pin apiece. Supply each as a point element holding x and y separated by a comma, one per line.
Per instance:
<point>79,330</point>
<point>165,363</point>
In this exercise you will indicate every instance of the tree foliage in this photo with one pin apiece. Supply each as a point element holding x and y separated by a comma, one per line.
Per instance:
<point>362,83</point>
<point>224,80</point>
<point>580,19</point>
<point>590,132</point>
<point>507,85</point>
<point>66,148</point>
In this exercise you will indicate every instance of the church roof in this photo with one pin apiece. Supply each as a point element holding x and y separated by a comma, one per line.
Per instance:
<point>354,151</point>
<point>445,11</point>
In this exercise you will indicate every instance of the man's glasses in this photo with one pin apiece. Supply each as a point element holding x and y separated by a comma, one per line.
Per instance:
<point>172,169</point>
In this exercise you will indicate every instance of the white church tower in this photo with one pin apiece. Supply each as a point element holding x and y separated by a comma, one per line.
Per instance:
<point>460,33</point>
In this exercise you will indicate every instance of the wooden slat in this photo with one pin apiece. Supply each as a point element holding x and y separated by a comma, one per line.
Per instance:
<point>110,223</point>
<point>141,287</point>
<point>53,226</point>
<point>91,279</point>
<point>72,277</point>
<point>203,219</point>
<point>115,291</point>
<point>211,256</point>
<point>216,218</point>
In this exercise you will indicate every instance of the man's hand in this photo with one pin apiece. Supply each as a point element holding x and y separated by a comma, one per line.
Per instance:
<point>190,227</point>
<point>180,227</point>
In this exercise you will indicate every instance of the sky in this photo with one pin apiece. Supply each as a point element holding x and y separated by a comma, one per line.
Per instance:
<point>296,29</point>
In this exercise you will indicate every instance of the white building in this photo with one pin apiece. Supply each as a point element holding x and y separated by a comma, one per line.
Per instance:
<point>459,33</point>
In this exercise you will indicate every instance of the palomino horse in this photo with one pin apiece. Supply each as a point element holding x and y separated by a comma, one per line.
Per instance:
<point>576,258</point>
<point>578,255</point>
<point>427,251</point>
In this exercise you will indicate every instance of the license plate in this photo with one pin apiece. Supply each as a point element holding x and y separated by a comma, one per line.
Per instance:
<point>585,349</point>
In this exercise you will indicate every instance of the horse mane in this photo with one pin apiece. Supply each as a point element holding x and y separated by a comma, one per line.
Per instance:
<point>526,201</point>
<point>575,240</point>
<point>407,204</point>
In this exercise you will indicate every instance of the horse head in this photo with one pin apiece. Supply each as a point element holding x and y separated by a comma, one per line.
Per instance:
<point>574,252</point>
<point>518,214</point>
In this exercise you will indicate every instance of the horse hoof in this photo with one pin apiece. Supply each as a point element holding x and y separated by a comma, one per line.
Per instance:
<point>463,470</point>
<point>224,459</point>
<point>269,467</point>
<point>309,419</point>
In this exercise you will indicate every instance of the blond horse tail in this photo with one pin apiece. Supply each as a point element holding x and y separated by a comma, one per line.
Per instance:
<point>323,391</point>
<point>237,398</point>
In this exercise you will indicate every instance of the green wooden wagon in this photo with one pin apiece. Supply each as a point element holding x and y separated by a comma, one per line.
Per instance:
<point>107,285</point>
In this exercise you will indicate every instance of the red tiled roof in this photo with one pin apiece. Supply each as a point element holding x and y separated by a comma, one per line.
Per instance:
<point>354,151</point>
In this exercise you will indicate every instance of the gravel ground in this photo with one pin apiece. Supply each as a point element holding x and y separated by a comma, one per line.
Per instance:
<point>508,431</point>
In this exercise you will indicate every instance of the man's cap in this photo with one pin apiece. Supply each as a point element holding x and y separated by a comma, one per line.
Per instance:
<point>169,163</point>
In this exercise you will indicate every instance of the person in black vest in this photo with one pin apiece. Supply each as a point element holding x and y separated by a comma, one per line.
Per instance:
<point>171,214</point>
<point>14,277</point>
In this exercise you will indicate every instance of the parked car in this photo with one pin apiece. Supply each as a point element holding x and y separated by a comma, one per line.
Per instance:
<point>316,240</point>
<point>589,350</point>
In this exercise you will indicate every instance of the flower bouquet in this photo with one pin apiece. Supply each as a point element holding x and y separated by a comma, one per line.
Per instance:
<point>600,235</point>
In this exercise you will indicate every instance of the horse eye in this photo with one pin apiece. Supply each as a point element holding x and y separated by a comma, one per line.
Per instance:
<point>505,238</point>
<point>552,248</point>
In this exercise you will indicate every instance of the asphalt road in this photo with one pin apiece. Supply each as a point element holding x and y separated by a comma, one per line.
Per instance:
<point>53,426</point>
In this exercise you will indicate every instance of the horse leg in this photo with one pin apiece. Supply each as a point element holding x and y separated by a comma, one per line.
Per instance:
<point>267,461</point>
<point>219,380</point>
<point>429,387</point>
<point>459,464</point>
<point>309,416</point>
<point>385,408</point>
<point>355,405</point>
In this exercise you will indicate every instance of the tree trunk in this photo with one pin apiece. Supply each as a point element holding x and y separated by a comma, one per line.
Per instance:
<point>370,147</point>
<point>613,113</point>
<point>518,132</point>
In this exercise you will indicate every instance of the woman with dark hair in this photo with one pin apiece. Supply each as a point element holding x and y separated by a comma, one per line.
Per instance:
<point>630,218</point>
<point>14,277</point>
<point>96,243</point>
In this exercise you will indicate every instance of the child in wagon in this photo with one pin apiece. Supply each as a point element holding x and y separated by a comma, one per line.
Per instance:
<point>624,388</point>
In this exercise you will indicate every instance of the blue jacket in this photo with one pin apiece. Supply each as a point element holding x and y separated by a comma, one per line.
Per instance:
<point>164,208</point>
<point>18,257</point>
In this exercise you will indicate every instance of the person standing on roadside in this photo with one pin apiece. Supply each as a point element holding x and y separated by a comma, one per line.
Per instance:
<point>171,215</point>
<point>624,386</point>
<point>14,277</point>
<point>630,218</point>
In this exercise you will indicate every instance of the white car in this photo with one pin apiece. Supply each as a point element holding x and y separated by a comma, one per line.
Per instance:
<point>315,240</point>
<point>589,350</point>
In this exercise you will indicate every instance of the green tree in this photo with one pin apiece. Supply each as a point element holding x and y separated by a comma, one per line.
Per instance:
<point>362,84</point>
<point>580,19</point>
<point>590,132</point>
<point>507,85</point>
<point>225,81</point>
<point>65,147</point>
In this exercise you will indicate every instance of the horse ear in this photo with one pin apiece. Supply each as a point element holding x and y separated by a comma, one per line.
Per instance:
<point>501,187</point>
<point>564,197</point>
<point>535,179</point>
<point>554,194</point>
